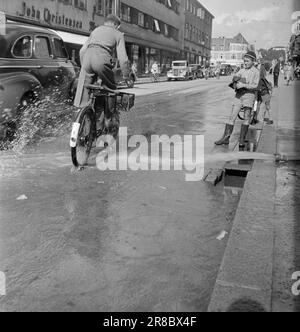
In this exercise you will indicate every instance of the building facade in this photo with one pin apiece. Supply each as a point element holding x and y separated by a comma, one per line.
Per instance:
<point>294,45</point>
<point>229,50</point>
<point>197,32</point>
<point>153,28</point>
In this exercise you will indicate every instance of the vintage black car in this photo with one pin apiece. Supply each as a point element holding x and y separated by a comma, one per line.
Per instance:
<point>31,58</point>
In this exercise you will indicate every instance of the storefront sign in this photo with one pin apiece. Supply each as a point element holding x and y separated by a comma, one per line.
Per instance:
<point>50,18</point>
<point>2,23</point>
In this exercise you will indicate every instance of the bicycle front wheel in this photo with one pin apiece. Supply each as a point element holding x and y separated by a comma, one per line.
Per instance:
<point>82,137</point>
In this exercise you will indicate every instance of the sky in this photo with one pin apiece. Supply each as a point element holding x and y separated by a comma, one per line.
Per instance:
<point>265,23</point>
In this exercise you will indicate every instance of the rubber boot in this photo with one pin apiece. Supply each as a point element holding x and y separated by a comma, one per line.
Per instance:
<point>244,132</point>
<point>255,119</point>
<point>226,137</point>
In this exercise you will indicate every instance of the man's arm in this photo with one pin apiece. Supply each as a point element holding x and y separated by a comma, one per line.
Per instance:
<point>254,82</point>
<point>122,56</point>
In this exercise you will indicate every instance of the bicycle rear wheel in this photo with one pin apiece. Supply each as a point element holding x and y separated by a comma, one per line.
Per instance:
<point>82,137</point>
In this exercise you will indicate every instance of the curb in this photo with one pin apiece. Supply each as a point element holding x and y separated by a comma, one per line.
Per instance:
<point>149,80</point>
<point>244,282</point>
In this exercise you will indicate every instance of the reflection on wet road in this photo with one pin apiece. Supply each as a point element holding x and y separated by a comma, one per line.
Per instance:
<point>116,241</point>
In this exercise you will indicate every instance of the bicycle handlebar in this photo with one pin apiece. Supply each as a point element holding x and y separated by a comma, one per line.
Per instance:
<point>102,88</point>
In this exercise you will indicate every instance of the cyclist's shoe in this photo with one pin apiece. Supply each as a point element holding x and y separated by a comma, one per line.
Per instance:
<point>226,137</point>
<point>244,132</point>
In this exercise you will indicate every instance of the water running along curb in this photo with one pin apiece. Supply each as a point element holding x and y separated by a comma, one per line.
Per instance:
<point>244,282</point>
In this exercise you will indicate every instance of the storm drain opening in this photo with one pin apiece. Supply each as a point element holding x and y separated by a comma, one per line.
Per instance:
<point>235,178</point>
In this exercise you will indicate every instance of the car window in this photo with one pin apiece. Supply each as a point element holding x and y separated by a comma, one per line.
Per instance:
<point>23,47</point>
<point>59,49</point>
<point>42,47</point>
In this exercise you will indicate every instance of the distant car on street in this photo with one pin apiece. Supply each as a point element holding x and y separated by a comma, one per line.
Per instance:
<point>226,70</point>
<point>31,58</point>
<point>197,71</point>
<point>180,71</point>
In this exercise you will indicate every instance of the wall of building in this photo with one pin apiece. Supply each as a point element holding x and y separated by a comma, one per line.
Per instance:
<point>144,43</point>
<point>229,50</point>
<point>56,14</point>
<point>197,31</point>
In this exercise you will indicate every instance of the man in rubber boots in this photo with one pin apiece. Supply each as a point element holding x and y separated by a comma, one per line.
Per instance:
<point>245,83</point>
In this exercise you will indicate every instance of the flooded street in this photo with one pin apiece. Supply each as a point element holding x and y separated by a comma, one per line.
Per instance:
<point>117,240</point>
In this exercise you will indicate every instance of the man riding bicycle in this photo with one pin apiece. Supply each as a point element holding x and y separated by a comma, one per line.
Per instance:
<point>96,58</point>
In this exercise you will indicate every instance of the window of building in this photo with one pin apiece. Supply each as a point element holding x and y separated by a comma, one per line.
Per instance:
<point>99,7</point>
<point>80,4</point>
<point>141,19</point>
<point>23,48</point>
<point>125,13</point>
<point>109,7</point>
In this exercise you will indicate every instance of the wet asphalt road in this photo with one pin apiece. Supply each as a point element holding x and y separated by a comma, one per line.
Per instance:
<point>117,240</point>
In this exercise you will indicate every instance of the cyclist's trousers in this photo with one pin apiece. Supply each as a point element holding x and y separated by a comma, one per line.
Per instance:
<point>96,64</point>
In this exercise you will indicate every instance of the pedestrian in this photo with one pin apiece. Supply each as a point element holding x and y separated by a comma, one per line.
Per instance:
<point>276,73</point>
<point>289,73</point>
<point>264,96</point>
<point>297,72</point>
<point>134,70</point>
<point>155,71</point>
<point>245,82</point>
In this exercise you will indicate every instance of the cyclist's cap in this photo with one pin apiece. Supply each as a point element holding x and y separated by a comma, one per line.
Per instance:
<point>113,18</point>
<point>251,55</point>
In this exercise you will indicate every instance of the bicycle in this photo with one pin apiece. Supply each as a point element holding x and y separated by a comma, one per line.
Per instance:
<point>155,77</point>
<point>100,117</point>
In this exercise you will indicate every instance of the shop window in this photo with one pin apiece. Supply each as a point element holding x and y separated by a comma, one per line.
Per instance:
<point>23,48</point>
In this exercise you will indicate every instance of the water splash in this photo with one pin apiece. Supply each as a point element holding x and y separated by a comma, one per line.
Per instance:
<point>50,116</point>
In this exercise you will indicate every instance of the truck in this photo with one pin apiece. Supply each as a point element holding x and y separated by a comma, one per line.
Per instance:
<point>180,71</point>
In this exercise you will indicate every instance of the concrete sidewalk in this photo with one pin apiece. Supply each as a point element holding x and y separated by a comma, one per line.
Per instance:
<point>245,280</point>
<point>145,80</point>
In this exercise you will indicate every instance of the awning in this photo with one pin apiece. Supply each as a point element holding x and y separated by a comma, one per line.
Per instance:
<point>71,38</point>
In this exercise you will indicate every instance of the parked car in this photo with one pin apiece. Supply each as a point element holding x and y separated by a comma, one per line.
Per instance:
<point>180,71</point>
<point>226,70</point>
<point>197,71</point>
<point>31,58</point>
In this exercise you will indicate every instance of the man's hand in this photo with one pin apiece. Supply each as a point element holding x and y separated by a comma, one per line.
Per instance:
<point>240,85</point>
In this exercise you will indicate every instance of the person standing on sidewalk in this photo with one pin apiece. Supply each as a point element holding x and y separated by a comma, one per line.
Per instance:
<point>134,70</point>
<point>289,72</point>
<point>245,83</point>
<point>276,73</point>
<point>264,96</point>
